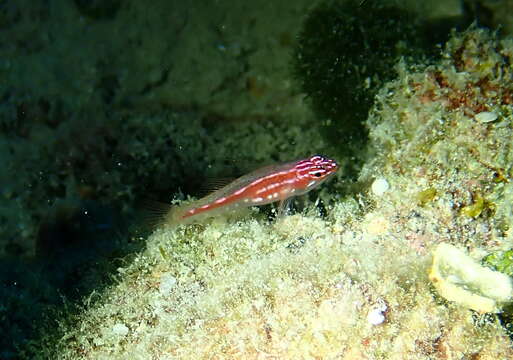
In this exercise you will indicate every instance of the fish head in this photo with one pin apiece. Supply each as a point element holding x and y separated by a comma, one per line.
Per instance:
<point>315,170</point>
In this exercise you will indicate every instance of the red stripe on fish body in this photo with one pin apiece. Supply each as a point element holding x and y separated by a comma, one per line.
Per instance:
<point>267,185</point>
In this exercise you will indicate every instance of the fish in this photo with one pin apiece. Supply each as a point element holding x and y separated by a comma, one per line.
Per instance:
<point>263,186</point>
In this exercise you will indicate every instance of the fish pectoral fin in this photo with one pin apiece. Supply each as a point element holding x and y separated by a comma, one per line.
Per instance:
<point>283,207</point>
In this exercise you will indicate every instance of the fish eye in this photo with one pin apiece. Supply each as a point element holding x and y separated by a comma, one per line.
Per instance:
<point>317,174</point>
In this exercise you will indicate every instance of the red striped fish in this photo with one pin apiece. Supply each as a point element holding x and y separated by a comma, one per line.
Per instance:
<point>263,186</point>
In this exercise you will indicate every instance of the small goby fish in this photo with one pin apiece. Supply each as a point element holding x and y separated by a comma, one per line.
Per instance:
<point>263,186</point>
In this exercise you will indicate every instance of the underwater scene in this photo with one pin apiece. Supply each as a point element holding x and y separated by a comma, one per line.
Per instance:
<point>223,179</point>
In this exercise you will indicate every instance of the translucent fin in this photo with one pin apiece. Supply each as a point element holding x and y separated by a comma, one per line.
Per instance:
<point>157,214</point>
<point>214,184</point>
<point>154,213</point>
<point>283,208</point>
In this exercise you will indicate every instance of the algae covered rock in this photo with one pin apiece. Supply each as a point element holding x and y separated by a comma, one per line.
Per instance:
<point>353,284</point>
<point>429,142</point>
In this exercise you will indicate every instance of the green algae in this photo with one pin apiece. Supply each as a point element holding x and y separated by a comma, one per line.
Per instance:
<point>426,196</point>
<point>501,261</point>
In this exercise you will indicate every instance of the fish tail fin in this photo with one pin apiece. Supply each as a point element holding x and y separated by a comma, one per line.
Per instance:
<point>174,215</point>
<point>159,214</point>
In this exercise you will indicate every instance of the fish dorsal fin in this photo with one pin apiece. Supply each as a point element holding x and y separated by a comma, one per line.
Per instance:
<point>212,184</point>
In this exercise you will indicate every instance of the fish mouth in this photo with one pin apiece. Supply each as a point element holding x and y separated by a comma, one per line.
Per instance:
<point>333,166</point>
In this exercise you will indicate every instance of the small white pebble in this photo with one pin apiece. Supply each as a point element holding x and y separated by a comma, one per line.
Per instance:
<point>120,329</point>
<point>380,186</point>
<point>376,316</point>
<point>167,283</point>
<point>486,116</point>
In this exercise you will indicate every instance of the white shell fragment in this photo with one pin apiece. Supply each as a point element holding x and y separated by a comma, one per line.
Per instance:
<point>377,315</point>
<point>457,277</point>
<point>120,329</point>
<point>167,283</point>
<point>380,186</point>
<point>486,117</point>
